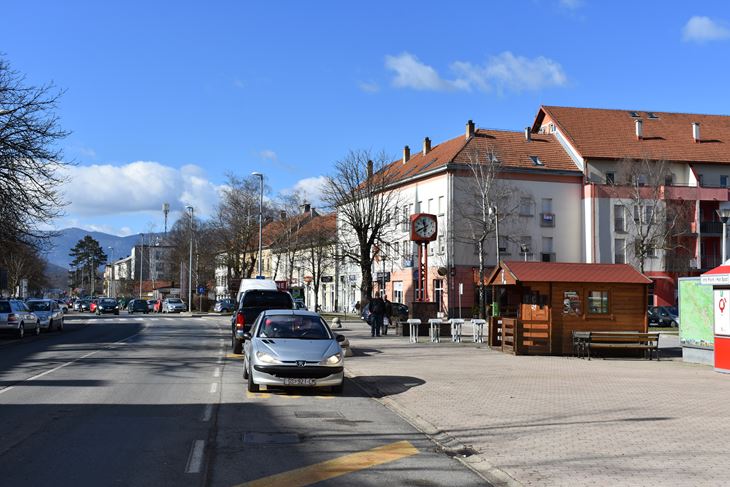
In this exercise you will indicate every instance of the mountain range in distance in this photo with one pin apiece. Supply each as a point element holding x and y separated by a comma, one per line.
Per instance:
<point>64,240</point>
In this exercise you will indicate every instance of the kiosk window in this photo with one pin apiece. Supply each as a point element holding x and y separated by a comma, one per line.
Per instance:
<point>598,302</point>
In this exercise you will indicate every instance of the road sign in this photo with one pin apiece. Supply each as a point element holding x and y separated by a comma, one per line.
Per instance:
<point>259,277</point>
<point>201,289</point>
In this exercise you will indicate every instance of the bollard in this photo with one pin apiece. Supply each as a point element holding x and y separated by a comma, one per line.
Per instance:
<point>456,324</point>
<point>413,328</point>
<point>435,329</point>
<point>478,330</point>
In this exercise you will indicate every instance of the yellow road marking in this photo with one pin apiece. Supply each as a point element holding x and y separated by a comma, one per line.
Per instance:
<point>336,467</point>
<point>257,395</point>
<point>234,355</point>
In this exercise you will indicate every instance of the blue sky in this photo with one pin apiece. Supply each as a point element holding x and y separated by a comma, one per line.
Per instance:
<point>164,98</point>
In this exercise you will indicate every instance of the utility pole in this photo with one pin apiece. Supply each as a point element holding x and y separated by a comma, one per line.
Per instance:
<point>141,263</point>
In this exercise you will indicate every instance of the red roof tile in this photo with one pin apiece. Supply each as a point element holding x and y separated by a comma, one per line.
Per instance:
<point>574,272</point>
<point>511,148</point>
<point>611,134</point>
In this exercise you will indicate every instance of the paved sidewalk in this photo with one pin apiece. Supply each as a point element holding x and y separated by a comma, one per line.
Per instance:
<point>555,420</point>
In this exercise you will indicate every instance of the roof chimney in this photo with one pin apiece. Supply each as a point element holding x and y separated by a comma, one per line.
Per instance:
<point>307,207</point>
<point>696,131</point>
<point>370,169</point>
<point>528,134</point>
<point>282,215</point>
<point>469,129</point>
<point>406,154</point>
<point>639,129</point>
<point>426,146</point>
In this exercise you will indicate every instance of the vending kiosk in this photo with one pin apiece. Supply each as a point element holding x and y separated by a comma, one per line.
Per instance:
<point>719,278</point>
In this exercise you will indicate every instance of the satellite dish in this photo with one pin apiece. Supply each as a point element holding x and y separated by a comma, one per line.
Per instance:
<point>442,271</point>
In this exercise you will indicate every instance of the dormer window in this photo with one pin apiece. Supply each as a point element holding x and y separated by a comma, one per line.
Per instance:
<point>634,114</point>
<point>651,115</point>
<point>536,161</point>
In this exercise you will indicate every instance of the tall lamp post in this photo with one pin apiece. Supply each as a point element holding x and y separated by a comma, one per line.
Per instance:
<point>724,214</point>
<point>261,217</point>
<point>111,290</point>
<point>141,263</point>
<point>190,261</point>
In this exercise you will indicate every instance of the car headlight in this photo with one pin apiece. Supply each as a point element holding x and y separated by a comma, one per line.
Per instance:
<point>266,358</point>
<point>335,359</point>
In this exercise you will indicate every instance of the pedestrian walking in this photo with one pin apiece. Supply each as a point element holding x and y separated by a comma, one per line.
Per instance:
<point>377,312</point>
<point>388,314</point>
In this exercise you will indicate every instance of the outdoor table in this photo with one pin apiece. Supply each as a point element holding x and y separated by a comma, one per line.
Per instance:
<point>435,325</point>
<point>413,328</point>
<point>478,330</point>
<point>456,324</point>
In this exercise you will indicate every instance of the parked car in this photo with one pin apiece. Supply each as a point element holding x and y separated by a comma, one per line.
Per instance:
<point>665,316</point>
<point>49,313</point>
<point>107,305</point>
<point>224,306</point>
<point>86,305</point>
<point>16,317</point>
<point>293,348</point>
<point>173,305</point>
<point>77,304</point>
<point>63,305</point>
<point>137,306</point>
<point>251,304</point>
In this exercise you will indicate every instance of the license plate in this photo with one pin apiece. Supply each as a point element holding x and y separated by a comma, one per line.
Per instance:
<point>299,382</point>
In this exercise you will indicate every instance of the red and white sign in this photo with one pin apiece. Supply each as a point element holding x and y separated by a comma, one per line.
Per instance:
<point>722,312</point>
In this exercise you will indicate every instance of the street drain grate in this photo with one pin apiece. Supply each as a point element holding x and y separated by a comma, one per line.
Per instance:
<point>318,414</point>
<point>257,438</point>
<point>460,452</point>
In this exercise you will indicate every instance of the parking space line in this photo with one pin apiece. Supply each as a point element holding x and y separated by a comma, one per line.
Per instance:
<point>217,372</point>
<point>195,460</point>
<point>337,467</point>
<point>214,388</point>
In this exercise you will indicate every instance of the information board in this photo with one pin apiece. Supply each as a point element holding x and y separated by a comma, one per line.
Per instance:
<point>722,312</point>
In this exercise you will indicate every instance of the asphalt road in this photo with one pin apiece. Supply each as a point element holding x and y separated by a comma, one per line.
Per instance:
<point>139,400</point>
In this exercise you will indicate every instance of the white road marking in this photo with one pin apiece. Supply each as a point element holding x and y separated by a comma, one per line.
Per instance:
<point>207,413</point>
<point>220,352</point>
<point>214,388</point>
<point>195,460</point>
<point>217,372</point>
<point>38,376</point>
<point>220,360</point>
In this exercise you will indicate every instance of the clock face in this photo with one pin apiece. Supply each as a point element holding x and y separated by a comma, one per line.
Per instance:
<point>424,227</point>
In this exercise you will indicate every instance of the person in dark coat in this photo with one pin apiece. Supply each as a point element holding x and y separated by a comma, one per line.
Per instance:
<point>388,314</point>
<point>377,312</point>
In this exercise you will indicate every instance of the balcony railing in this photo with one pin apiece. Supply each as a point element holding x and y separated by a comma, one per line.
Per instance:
<point>711,228</point>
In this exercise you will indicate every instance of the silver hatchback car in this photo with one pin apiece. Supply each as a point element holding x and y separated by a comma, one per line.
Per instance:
<point>49,313</point>
<point>15,317</point>
<point>292,348</point>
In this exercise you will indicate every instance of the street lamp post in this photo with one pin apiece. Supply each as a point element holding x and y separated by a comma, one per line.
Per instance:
<point>190,261</point>
<point>724,214</point>
<point>111,291</point>
<point>141,263</point>
<point>261,217</point>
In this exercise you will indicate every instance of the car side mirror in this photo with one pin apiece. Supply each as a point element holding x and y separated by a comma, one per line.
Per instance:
<point>340,338</point>
<point>247,336</point>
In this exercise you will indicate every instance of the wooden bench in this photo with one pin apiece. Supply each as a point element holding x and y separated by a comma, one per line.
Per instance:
<point>584,341</point>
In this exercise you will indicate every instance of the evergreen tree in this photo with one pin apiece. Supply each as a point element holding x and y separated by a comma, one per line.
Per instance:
<point>88,255</point>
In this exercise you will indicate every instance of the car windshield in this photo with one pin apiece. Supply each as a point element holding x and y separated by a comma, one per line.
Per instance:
<point>108,301</point>
<point>268,299</point>
<point>174,301</point>
<point>39,305</point>
<point>293,326</point>
<point>672,310</point>
<point>4,307</point>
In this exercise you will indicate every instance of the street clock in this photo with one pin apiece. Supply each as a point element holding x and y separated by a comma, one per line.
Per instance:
<point>424,227</point>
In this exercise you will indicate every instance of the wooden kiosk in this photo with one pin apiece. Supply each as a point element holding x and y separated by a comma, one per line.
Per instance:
<point>537,305</point>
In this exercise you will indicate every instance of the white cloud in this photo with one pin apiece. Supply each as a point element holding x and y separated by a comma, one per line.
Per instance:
<point>310,188</point>
<point>269,155</point>
<point>140,186</point>
<point>702,29</point>
<point>412,73</point>
<point>502,72</point>
<point>571,4</point>
<point>369,87</point>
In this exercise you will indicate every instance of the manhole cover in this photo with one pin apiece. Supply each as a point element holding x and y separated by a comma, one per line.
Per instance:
<point>257,438</point>
<point>318,414</point>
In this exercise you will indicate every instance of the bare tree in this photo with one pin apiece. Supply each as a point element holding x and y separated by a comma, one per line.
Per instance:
<point>652,221</point>
<point>317,248</point>
<point>236,225</point>
<point>22,261</point>
<point>360,192</point>
<point>484,192</point>
<point>287,241</point>
<point>30,162</point>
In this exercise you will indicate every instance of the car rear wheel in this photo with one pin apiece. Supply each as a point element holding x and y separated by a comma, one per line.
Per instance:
<point>252,387</point>
<point>237,346</point>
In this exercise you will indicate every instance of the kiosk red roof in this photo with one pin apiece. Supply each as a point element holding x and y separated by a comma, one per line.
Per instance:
<point>723,269</point>
<point>572,272</point>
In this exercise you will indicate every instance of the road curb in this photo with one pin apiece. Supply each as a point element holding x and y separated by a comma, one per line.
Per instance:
<point>445,442</point>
